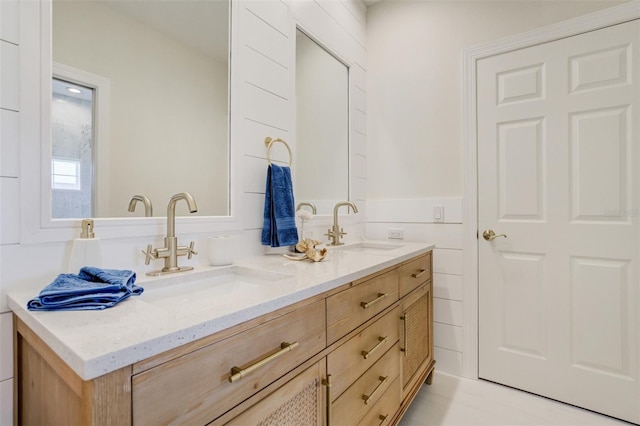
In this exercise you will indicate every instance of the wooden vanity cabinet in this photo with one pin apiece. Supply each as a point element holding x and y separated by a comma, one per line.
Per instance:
<point>416,326</point>
<point>357,354</point>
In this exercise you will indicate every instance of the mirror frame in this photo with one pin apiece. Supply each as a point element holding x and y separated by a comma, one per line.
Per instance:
<point>322,219</point>
<point>36,70</point>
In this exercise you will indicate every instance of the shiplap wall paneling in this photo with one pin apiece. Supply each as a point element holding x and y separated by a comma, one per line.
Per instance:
<point>9,210</point>
<point>252,139</point>
<point>415,218</point>
<point>447,286</point>
<point>419,210</point>
<point>265,103</point>
<point>9,30</point>
<point>9,133</point>
<point>9,75</point>
<point>9,123</point>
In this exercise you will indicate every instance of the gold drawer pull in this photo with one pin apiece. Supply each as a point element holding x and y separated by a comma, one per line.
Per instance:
<point>367,398</point>
<point>381,296</point>
<point>237,373</point>
<point>382,419</point>
<point>419,273</point>
<point>327,382</point>
<point>381,341</point>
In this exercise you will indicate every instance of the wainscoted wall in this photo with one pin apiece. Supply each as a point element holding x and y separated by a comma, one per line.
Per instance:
<point>9,116</point>
<point>265,105</point>
<point>416,220</point>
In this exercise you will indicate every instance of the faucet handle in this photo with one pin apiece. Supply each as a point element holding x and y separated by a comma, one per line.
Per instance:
<point>191,251</point>
<point>150,254</point>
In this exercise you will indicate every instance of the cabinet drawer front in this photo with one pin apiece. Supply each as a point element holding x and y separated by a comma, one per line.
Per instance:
<point>382,413</point>
<point>195,388</point>
<point>414,273</point>
<point>348,362</point>
<point>356,401</point>
<point>352,307</point>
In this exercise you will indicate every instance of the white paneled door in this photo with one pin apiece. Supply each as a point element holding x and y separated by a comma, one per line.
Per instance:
<point>558,173</point>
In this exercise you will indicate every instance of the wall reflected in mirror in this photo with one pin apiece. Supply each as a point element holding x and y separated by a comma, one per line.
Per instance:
<point>321,163</point>
<point>154,119</point>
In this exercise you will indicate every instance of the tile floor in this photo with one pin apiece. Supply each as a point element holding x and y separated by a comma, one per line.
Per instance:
<point>452,400</point>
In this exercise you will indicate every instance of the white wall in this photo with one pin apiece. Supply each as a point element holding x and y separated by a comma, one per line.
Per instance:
<point>264,108</point>
<point>415,147</point>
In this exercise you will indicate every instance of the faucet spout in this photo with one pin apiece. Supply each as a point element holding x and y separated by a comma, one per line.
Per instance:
<point>338,205</point>
<point>171,210</point>
<point>148,207</point>
<point>335,232</point>
<point>309,204</point>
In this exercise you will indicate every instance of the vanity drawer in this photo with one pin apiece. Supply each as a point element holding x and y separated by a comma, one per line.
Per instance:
<point>356,401</point>
<point>348,362</point>
<point>196,387</point>
<point>352,307</point>
<point>414,273</point>
<point>382,413</point>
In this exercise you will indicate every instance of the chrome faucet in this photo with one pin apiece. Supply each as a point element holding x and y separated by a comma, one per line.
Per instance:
<point>171,249</point>
<point>307,203</point>
<point>148,207</point>
<point>336,232</point>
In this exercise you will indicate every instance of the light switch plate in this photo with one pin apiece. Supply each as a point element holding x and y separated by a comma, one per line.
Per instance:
<point>438,213</point>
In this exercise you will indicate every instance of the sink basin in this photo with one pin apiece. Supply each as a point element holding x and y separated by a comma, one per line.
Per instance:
<point>371,247</point>
<point>203,290</point>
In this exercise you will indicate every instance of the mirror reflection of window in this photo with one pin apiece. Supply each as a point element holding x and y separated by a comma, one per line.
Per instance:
<point>322,126</point>
<point>72,150</point>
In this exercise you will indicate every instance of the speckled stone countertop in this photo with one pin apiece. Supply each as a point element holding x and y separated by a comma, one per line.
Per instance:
<point>178,309</point>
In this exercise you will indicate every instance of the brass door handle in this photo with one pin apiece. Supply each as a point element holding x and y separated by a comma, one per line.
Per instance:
<point>381,341</point>
<point>382,419</point>
<point>367,398</point>
<point>381,296</point>
<point>238,373</point>
<point>489,235</point>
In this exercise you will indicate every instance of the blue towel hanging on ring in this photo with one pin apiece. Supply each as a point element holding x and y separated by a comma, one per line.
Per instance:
<point>279,226</point>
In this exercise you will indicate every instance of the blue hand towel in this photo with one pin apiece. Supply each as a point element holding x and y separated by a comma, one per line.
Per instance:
<point>279,226</point>
<point>92,288</point>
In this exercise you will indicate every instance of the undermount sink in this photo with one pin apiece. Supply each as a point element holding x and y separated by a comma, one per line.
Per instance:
<point>201,290</point>
<point>371,247</point>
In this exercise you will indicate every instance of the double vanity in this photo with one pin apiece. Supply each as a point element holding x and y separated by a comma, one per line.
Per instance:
<point>267,340</point>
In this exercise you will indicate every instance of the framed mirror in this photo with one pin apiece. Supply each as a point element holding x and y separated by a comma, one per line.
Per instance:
<point>140,106</point>
<point>322,126</point>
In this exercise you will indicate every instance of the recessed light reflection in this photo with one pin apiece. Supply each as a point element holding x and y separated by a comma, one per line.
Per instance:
<point>74,90</point>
